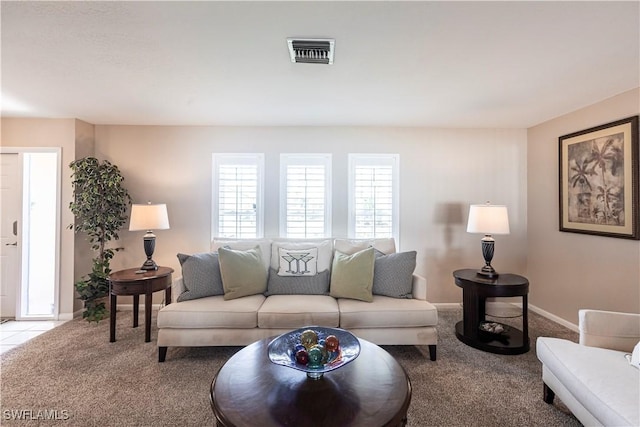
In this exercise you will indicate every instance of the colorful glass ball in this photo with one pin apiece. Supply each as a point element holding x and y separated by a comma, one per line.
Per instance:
<point>308,338</point>
<point>331,343</point>
<point>302,357</point>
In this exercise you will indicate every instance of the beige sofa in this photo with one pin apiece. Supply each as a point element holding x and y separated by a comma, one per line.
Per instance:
<point>214,321</point>
<point>594,378</point>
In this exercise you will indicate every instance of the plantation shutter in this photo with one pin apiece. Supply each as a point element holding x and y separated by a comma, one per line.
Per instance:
<point>238,197</point>
<point>373,204</point>
<point>306,201</point>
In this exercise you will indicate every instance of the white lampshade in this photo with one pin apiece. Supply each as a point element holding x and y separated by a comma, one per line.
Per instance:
<point>488,219</point>
<point>149,217</point>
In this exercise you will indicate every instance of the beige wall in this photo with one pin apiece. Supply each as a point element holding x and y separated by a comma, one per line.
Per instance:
<point>569,271</point>
<point>442,172</point>
<point>52,133</point>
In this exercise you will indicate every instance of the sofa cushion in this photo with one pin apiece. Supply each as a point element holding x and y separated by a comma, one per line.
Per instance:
<point>242,272</point>
<point>296,311</point>
<point>352,275</point>
<point>600,379</point>
<point>351,246</point>
<point>393,274</point>
<point>301,285</point>
<point>386,312</point>
<point>297,262</point>
<point>200,276</point>
<point>212,312</point>
<point>324,246</point>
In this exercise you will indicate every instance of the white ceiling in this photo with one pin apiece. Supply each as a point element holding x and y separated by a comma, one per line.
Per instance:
<point>435,64</point>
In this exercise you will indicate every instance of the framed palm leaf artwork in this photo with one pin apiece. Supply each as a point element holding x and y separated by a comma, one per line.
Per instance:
<point>599,180</point>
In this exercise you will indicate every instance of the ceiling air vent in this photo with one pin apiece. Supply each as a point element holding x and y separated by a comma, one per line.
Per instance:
<point>311,51</point>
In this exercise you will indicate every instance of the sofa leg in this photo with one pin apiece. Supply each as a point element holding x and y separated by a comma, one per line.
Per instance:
<point>162,353</point>
<point>432,352</point>
<point>547,394</point>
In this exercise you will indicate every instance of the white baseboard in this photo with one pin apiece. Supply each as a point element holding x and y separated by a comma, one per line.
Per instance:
<point>120,307</point>
<point>458,305</point>
<point>447,306</point>
<point>69,316</point>
<point>497,305</point>
<point>554,318</point>
<point>129,307</point>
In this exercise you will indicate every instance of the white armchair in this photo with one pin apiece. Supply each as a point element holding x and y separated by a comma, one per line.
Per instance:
<point>609,329</point>
<point>594,378</point>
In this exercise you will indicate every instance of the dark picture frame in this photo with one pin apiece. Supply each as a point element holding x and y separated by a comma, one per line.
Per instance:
<point>599,180</point>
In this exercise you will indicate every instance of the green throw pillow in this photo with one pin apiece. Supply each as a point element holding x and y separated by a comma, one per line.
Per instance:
<point>352,275</point>
<point>243,272</point>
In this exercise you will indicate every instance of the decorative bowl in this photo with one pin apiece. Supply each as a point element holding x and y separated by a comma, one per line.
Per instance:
<point>282,350</point>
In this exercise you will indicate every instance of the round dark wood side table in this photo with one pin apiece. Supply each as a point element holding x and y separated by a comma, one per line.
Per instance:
<point>475,290</point>
<point>249,390</point>
<point>130,282</point>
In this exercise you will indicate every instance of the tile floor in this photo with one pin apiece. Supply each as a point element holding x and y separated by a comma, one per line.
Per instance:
<point>16,332</point>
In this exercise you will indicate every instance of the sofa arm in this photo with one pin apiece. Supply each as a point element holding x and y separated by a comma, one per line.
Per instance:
<point>419,288</point>
<point>609,329</point>
<point>177,288</point>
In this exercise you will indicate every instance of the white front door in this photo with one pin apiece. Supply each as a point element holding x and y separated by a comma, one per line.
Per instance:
<point>10,199</point>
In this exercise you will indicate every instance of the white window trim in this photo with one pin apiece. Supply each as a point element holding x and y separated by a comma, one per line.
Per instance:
<point>375,160</point>
<point>287,159</point>
<point>219,159</point>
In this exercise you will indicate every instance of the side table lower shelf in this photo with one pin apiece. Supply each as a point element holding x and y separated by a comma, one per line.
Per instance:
<point>511,341</point>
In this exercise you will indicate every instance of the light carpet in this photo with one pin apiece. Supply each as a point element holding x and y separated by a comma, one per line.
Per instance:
<point>74,374</point>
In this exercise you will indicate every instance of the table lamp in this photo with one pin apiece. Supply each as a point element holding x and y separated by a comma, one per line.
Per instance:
<point>149,217</point>
<point>488,219</point>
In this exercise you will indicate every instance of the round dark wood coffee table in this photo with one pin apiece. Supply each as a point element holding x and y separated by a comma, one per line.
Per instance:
<point>249,390</point>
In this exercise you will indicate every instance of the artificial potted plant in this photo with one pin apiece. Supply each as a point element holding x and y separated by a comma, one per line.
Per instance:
<point>100,204</point>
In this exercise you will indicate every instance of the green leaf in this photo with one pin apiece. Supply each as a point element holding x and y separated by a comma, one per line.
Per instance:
<point>100,204</point>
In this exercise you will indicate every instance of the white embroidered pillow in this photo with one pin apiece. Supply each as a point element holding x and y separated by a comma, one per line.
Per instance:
<point>298,262</point>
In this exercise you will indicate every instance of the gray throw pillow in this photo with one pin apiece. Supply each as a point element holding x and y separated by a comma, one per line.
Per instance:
<point>200,275</point>
<point>393,274</point>
<point>298,285</point>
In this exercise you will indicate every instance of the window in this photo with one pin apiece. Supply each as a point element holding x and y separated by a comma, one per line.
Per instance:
<point>373,196</point>
<point>237,195</point>
<point>305,195</point>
